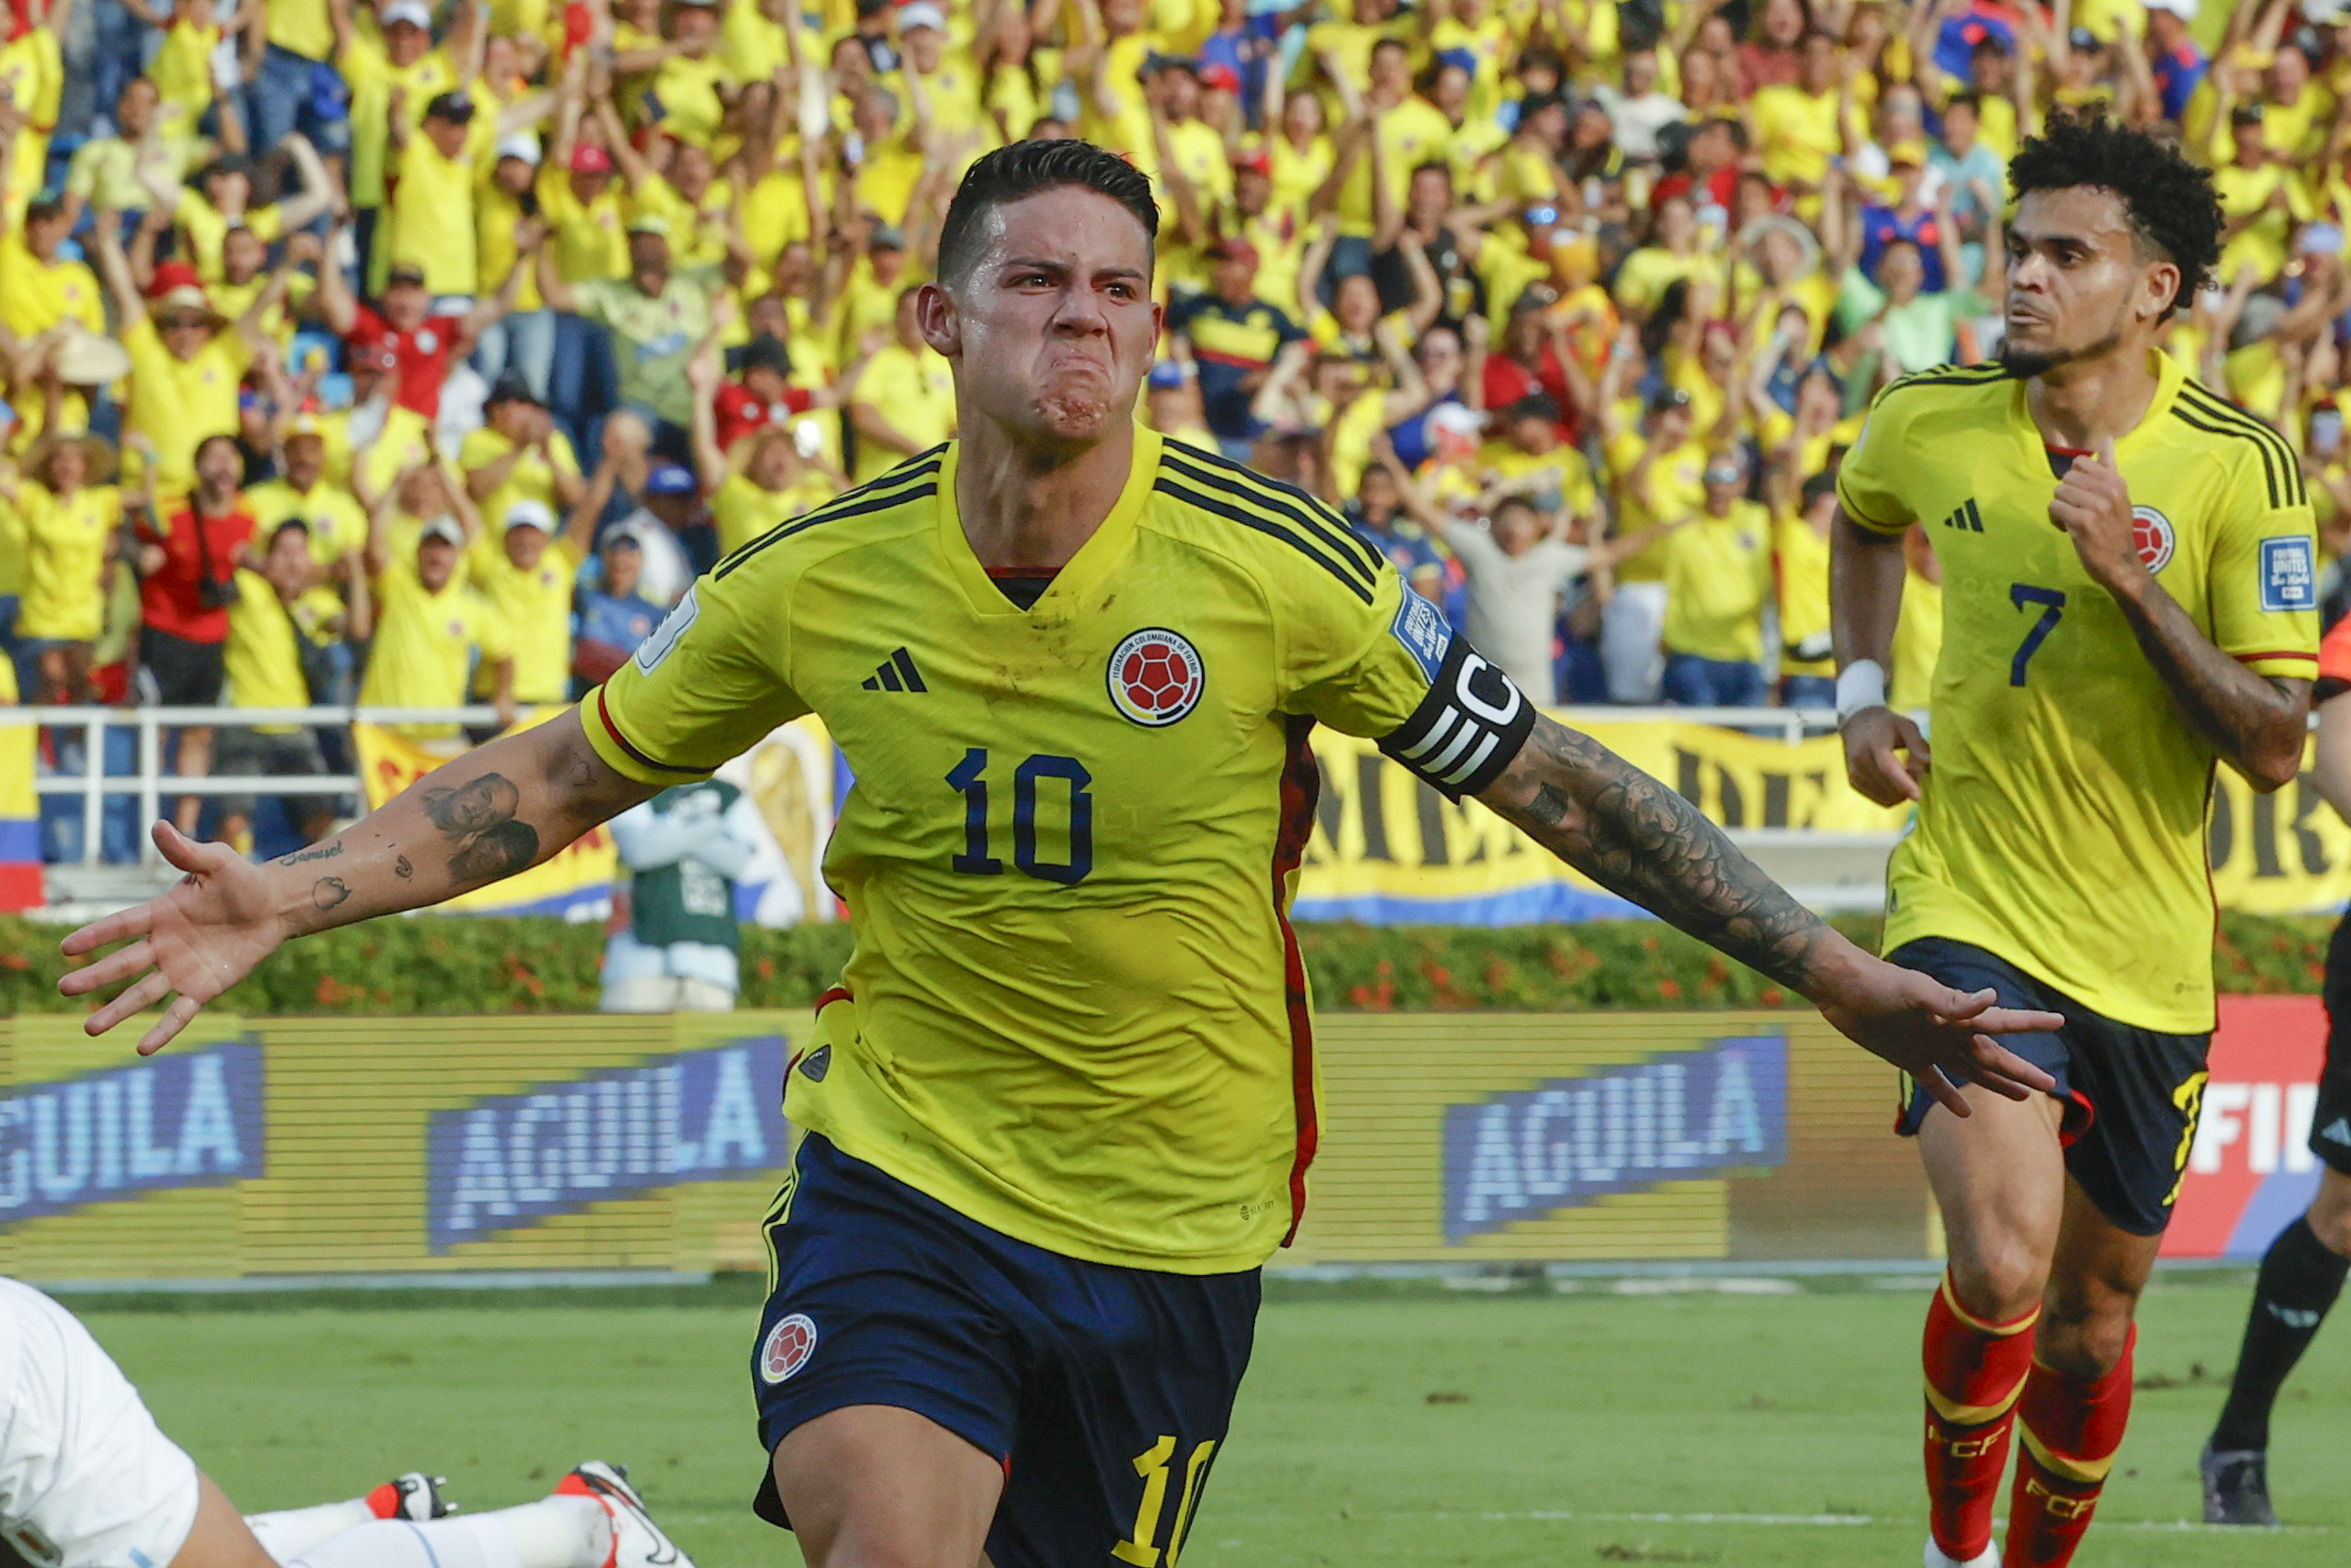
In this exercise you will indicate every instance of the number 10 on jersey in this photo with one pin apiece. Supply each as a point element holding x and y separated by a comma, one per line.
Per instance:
<point>1039,773</point>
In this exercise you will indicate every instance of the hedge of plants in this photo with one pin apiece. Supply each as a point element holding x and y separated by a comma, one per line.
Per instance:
<point>452,965</point>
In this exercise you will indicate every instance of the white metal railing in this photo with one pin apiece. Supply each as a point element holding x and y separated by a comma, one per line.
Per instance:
<point>152,785</point>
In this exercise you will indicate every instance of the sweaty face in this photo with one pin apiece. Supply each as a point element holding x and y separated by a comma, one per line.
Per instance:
<point>2076,281</point>
<point>1051,331</point>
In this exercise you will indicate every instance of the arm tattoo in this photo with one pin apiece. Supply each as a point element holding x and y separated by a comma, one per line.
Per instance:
<point>500,849</point>
<point>315,853</point>
<point>2244,716</point>
<point>1635,837</point>
<point>479,814</point>
<point>403,868</point>
<point>329,891</point>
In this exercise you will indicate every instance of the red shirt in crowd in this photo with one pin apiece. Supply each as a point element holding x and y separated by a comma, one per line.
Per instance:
<point>739,413</point>
<point>424,354</point>
<point>169,600</point>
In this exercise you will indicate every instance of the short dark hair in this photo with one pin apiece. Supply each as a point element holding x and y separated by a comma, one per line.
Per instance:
<point>2168,202</point>
<point>1024,168</point>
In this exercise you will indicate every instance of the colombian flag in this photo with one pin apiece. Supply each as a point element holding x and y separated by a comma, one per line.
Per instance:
<point>20,812</point>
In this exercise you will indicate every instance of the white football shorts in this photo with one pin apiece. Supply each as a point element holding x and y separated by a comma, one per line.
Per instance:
<point>87,1480</point>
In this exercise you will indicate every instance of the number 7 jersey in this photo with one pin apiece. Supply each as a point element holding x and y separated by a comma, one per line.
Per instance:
<point>1076,1011</point>
<point>2064,821</point>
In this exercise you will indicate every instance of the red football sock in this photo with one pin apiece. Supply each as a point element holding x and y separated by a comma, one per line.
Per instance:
<point>2072,1430</point>
<point>1975,1369</point>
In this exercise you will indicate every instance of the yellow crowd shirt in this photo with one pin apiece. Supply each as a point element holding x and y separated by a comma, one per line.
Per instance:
<point>1801,557</point>
<point>1411,133</point>
<point>1676,489</point>
<point>744,511</point>
<point>532,478</point>
<point>37,296</point>
<point>432,200</point>
<point>590,239</point>
<point>206,227</point>
<point>914,391</point>
<point>263,660</point>
<point>1718,578</point>
<point>1076,1012</point>
<point>176,403</point>
<point>1796,132</point>
<point>496,217</point>
<point>2064,823</point>
<point>424,642</point>
<point>533,609</point>
<point>337,523</point>
<point>66,543</point>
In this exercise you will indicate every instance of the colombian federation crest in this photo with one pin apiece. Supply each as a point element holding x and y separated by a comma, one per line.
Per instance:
<point>787,1347</point>
<point>2151,531</point>
<point>1157,677</point>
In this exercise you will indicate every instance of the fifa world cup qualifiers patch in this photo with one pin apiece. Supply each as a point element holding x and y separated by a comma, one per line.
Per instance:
<point>655,648</point>
<point>1420,627</point>
<point>2288,575</point>
<point>1470,726</point>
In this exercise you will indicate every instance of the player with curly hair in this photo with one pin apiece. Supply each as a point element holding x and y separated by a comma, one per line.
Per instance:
<point>2129,602</point>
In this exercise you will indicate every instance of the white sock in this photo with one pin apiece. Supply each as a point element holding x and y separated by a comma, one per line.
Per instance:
<point>553,1532</point>
<point>290,1533</point>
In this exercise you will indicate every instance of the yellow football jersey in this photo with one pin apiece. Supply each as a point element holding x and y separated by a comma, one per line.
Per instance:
<point>1076,1011</point>
<point>2063,821</point>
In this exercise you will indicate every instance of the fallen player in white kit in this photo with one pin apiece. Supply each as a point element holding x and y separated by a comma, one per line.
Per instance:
<point>88,1481</point>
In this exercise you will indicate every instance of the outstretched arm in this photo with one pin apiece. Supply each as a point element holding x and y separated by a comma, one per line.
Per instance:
<point>488,814</point>
<point>1635,837</point>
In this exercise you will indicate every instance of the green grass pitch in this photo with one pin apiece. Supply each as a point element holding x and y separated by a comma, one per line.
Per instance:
<point>1403,1426</point>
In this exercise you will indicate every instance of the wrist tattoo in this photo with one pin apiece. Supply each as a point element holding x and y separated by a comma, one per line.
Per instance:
<point>403,868</point>
<point>328,891</point>
<point>315,853</point>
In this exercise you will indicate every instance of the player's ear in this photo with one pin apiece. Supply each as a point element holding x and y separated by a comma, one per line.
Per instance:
<point>934,318</point>
<point>2163,285</point>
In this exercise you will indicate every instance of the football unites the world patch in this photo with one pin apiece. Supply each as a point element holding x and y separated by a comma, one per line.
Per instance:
<point>1155,677</point>
<point>787,1347</point>
<point>2289,574</point>
<point>2152,534</point>
<point>1420,627</point>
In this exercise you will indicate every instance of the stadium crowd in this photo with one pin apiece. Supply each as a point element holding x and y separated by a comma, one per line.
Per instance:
<point>415,356</point>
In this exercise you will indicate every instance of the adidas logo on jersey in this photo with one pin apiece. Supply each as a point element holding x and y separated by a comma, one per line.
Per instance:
<point>2339,1131</point>
<point>1965,517</point>
<point>895,674</point>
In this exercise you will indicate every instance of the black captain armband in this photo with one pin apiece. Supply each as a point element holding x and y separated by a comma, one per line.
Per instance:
<point>1470,726</point>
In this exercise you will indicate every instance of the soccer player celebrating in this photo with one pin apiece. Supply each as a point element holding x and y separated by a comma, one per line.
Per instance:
<point>2302,1271</point>
<point>1060,1109</point>
<point>2128,600</point>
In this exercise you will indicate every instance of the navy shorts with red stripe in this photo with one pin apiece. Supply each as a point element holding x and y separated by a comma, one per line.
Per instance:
<point>1104,1391</point>
<point>2132,1094</point>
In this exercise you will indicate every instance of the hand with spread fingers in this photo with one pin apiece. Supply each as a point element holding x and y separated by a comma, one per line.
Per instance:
<point>1940,1036</point>
<point>199,939</point>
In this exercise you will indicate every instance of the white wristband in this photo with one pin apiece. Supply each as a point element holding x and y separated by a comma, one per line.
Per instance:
<point>1861,685</point>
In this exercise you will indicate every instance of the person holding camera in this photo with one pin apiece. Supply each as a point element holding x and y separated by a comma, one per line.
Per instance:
<point>187,581</point>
